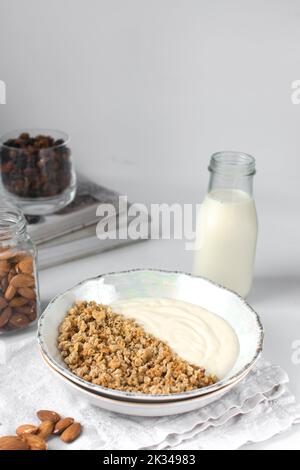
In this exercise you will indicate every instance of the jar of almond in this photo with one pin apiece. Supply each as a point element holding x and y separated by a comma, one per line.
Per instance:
<point>19,293</point>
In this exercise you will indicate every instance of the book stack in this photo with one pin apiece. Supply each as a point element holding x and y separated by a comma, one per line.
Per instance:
<point>84,227</point>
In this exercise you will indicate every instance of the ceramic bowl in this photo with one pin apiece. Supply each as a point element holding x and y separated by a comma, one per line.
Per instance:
<point>132,408</point>
<point>108,288</point>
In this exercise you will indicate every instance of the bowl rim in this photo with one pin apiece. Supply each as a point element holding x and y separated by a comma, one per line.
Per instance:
<point>139,395</point>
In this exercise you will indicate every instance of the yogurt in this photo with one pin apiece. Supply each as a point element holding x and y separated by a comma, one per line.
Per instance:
<point>200,337</point>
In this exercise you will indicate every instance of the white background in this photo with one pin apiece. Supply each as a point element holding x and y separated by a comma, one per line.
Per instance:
<point>148,90</point>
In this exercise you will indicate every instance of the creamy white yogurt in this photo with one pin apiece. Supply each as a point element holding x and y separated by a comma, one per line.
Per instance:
<point>195,334</point>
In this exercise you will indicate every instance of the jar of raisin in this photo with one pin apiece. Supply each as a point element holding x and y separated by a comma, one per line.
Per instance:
<point>19,291</point>
<point>37,172</point>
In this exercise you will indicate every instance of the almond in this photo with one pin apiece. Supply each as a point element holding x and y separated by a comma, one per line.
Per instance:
<point>5,316</point>
<point>25,266</point>
<point>29,311</point>
<point>10,292</point>
<point>2,274</point>
<point>18,320</point>
<point>7,254</point>
<point>32,316</point>
<point>13,443</point>
<point>22,280</point>
<point>45,429</point>
<point>19,256</point>
<point>26,310</point>
<point>11,274</point>
<point>47,415</point>
<point>62,425</point>
<point>34,442</point>
<point>27,293</point>
<point>18,302</point>
<point>26,429</point>
<point>4,266</point>
<point>3,303</point>
<point>71,433</point>
<point>4,284</point>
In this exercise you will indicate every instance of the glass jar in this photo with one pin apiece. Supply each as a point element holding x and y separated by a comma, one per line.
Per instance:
<point>19,291</point>
<point>227,223</point>
<point>37,171</point>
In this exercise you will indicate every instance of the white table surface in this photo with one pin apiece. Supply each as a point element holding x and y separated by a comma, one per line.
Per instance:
<point>275,296</point>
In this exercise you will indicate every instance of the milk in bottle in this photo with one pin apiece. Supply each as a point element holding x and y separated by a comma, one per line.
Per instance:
<point>227,223</point>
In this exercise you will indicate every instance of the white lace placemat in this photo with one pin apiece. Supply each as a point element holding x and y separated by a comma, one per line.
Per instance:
<point>255,410</point>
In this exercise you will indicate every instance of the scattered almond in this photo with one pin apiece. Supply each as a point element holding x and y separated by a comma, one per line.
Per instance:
<point>34,442</point>
<point>47,415</point>
<point>45,429</point>
<point>26,429</point>
<point>31,437</point>
<point>71,433</point>
<point>13,443</point>
<point>62,425</point>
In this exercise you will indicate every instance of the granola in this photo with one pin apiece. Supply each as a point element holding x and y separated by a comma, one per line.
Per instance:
<point>108,349</point>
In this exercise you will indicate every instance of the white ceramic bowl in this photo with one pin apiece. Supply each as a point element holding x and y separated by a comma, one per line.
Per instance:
<point>153,283</point>
<point>139,408</point>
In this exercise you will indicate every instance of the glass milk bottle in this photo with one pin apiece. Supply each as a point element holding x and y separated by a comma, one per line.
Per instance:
<point>227,223</point>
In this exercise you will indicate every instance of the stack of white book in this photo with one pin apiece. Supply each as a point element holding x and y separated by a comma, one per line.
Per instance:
<point>78,231</point>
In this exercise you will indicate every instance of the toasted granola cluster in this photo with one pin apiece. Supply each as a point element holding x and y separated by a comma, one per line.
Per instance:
<point>110,350</point>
